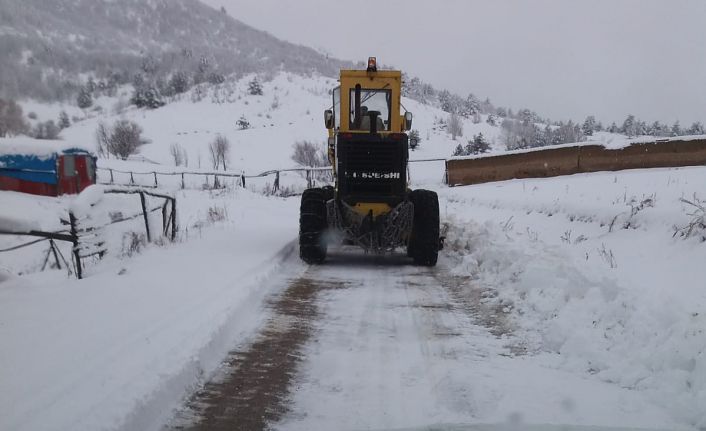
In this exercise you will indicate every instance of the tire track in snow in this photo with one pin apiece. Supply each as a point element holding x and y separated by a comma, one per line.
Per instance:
<point>254,383</point>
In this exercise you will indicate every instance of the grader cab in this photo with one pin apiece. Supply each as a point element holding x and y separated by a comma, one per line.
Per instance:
<point>370,205</point>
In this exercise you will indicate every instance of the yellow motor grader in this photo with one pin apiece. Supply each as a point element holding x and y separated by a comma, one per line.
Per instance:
<point>370,204</point>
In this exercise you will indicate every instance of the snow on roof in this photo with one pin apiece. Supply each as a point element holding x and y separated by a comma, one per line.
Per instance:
<point>37,147</point>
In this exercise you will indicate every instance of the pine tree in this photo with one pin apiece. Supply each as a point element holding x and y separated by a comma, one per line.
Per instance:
<point>254,87</point>
<point>589,125</point>
<point>414,139</point>
<point>676,129</point>
<point>492,120</point>
<point>471,106</point>
<point>629,126</point>
<point>459,151</point>
<point>445,101</point>
<point>84,99</point>
<point>64,121</point>
<point>477,145</point>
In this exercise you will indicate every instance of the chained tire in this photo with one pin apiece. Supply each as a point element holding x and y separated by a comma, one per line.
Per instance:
<point>423,244</point>
<point>312,226</point>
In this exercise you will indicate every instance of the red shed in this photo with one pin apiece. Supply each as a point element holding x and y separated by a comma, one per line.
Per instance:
<point>49,168</point>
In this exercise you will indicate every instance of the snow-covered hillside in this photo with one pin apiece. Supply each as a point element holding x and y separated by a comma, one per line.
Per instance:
<point>290,110</point>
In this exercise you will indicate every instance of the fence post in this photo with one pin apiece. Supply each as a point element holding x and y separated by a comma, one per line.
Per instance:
<point>242,180</point>
<point>132,179</point>
<point>144,213</point>
<point>276,186</point>
<point>75,248</point>
<point>165,221</point>
<point>174,220</point>
<point>215,182</point>
<point>308,179</point>
<point>111,176</point>
<point>155,179</point>
<point>182,181</point>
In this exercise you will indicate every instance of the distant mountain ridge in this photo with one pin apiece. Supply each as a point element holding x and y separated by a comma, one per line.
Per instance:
<point>49,47</point>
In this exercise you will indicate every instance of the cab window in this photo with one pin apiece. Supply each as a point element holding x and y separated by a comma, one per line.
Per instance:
<point>69,166</point>
<point>337,108</point>
<point>371,100</point>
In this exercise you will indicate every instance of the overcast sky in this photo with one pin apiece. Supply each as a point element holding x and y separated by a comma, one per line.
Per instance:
<point>562,58</point>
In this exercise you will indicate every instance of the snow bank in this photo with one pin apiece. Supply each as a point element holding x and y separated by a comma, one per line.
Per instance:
<point>10,223</point>
<point>131,339</point>
<point>593,276</point>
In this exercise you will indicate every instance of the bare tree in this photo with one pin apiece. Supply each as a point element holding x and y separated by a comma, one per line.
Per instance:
<point>455,126</point>
<point>219,150</point>
<point>102,137</point>
<point>11,121</point>
<point>309,154</point>
<point>122,140</point>
<point>178,154</point>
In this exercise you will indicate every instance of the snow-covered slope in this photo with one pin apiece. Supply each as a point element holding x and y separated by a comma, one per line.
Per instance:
<point>290,110</point>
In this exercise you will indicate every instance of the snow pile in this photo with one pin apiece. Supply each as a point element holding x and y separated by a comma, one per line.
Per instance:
<point>589,274</point>
<point>11,223</point>
<point>131,339</point>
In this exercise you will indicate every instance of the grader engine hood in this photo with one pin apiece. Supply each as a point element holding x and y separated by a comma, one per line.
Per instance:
<point>372,168</point>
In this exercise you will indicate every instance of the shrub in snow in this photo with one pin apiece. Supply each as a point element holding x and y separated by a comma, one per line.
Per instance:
<point>32,115</point>
<point>697,224</point>
<point>133,243</point>
<point>254,87</point>
<point>46,130</point>
<point>216,78</point>
<point>217,214</point>
<point>414,139</point>
<point>122,140</point>
<point>147,98</point>
<point>242,123</point>
<point>11,120</point>
<point>178,83</point>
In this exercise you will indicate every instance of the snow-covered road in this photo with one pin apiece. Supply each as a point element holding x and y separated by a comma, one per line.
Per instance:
<point>366,342</point>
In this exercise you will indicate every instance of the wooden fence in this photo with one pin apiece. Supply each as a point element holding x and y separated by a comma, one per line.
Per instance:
<point>552,162</point>
<point>82,234</point>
